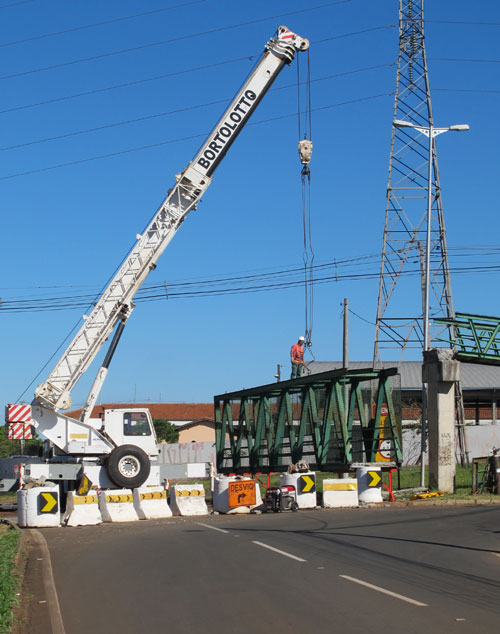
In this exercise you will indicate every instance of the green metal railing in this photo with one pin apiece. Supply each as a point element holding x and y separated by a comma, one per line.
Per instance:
<point>267,427</point>
<point>477,337</point>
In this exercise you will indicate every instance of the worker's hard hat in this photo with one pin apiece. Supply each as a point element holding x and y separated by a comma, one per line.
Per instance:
<point>301,338</point>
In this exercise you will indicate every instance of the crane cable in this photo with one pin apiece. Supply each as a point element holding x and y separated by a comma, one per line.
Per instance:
<point>305,151</point>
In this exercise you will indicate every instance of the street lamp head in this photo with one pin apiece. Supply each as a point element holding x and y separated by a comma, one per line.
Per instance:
<point>459,127</point>
<point>399,123</point>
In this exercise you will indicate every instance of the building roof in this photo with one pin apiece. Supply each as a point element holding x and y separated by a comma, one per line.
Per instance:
<point>170,411</point>
<point>208,422</point>
<point>474,376</point>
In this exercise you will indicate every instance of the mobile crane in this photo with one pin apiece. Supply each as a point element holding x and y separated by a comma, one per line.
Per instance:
<point>119,449</point>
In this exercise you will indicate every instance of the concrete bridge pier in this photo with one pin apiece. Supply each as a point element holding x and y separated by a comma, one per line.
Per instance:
<point>440,371</point>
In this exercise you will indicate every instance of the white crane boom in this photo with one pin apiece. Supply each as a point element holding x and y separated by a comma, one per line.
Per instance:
<point>115,303</point>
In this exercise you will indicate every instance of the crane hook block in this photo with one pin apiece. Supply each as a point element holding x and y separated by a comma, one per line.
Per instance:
<point>305,151</point>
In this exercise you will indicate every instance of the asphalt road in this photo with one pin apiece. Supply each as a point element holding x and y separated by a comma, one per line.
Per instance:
<point>218,574</point>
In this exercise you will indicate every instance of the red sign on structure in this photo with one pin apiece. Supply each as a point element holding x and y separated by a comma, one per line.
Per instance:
<point>18,413</point>
<point>19,431</point>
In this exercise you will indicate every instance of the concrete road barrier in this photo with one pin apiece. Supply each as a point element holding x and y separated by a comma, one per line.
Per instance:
<point>235,494</point>
<point>38,507</point>
<point>82,510</point>
<point>305,487</point>
<point>151,503</point>
<point>188,499</point>
<point>369,485</point>
<point>117,505</point>
<point>341,493</point>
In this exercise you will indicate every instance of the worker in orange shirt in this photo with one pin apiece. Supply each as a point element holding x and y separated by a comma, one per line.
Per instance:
<point>297,358</point>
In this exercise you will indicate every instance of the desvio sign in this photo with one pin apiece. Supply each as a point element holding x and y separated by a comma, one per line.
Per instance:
<point>242,493</point>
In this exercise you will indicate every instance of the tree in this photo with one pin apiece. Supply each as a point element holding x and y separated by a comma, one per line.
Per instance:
<point>13,447</point>
<point>165,430</point>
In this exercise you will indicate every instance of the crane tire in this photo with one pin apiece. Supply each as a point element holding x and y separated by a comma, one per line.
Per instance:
<point>128,466</point>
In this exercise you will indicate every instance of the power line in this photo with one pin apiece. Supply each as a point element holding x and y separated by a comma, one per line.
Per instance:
<point>169,41</point>
<point>251,284</point>
<point>463,22</point>
<point>95,24</point>
<point>472,90</point>
<point>372,323</point>
<point>176,111</point>
<point>15,4</point>
<point>464,59</point>
<point>178,140</point>
<point>124,85</point>
<point>164,76</point>
<point>338,37</point>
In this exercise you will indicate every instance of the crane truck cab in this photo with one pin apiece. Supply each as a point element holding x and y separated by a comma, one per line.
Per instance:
<point>130,427</point>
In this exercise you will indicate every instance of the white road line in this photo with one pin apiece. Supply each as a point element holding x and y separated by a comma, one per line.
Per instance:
<point>392,594</point>
<point>214,528</point>
<point>281,552</point>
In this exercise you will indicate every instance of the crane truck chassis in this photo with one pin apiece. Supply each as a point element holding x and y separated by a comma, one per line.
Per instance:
<point>119,450</point>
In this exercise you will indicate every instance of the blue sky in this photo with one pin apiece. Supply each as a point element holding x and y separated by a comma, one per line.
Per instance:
<point>66,228</point>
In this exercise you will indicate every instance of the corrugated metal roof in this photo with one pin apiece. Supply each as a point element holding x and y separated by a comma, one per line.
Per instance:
<point>474,376</point>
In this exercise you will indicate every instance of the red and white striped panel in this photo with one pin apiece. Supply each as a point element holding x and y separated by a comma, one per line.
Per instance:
<point>19,431</point>
<point>18,413</point>
<point>286,35</point>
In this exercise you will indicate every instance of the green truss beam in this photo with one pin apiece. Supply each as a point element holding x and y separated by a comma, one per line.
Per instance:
<point>266,427</point>
<point>476,337</point>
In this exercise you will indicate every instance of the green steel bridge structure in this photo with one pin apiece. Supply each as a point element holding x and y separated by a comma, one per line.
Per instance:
<point>476,338</point>
<point>333,420</point>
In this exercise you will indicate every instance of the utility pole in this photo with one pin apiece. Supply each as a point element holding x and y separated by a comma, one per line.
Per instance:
<point>345,350</point>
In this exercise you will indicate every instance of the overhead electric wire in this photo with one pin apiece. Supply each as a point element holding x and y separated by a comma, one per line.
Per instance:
<point>160,296</point>
<point>463,59</point>
<point>473,90</point>
<point>186,138</point>
<point>250,284</point>
<point>293,269</point>
<point>95,24</point>
<point>467,22</point>
<point>179,38</point>
<point>176,111</point>
<point>158,77</point>
<point>15,4</point>
<point>338,37</point>
<point>455,251</point>
<point>124,85</point>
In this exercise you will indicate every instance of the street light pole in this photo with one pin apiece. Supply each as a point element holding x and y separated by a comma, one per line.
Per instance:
<point>430,132</point>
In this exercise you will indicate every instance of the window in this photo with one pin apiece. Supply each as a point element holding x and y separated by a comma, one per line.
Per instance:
<point>136,424</point>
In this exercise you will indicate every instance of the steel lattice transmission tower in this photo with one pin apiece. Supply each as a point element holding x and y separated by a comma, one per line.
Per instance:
<point>399,321</point>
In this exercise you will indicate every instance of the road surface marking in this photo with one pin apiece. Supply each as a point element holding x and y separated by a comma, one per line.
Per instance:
<point>392,594</point>
<point>214,528</point>
<point>281,552</point>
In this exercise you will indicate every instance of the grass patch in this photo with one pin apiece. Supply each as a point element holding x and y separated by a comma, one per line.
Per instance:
<point>10,496</point>
<point>9,583</point>
<point>410,479</point>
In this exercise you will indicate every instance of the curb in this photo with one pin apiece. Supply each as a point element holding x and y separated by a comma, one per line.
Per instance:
<point>445,502</point>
